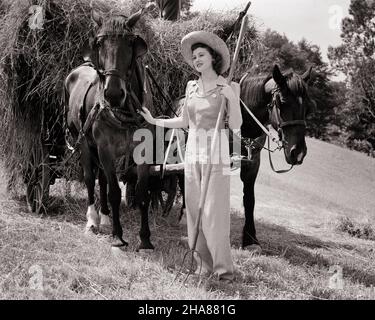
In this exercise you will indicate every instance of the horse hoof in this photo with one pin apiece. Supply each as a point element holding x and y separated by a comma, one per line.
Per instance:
<point>254,248</point>
<point>145,251</point>
<point>118,243</point>
<point>118,251</point>
<point>89,230</point>
<point>146,248</point>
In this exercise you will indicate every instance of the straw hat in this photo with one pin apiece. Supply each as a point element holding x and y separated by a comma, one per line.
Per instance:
<point>210,39</point>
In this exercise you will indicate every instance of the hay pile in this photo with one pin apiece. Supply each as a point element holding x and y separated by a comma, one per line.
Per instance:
<point>34,64</point>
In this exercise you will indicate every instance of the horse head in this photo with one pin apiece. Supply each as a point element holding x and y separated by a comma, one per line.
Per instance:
<point>289,107</point>
<point>114,51</point>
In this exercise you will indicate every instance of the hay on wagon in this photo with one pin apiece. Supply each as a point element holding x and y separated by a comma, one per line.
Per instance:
<point>35,62</point>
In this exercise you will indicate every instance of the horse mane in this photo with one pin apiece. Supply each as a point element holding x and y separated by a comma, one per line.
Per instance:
<point>253,87</point>
<point>253,90</point>
<point>296,84</point>
<point>115,24</point>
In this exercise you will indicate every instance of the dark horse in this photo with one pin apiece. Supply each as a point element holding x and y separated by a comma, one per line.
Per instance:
<point>282,101</point>
<point>102,98</point>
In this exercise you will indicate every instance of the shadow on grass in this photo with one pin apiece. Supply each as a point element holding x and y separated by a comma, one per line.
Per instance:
<point>297,249</point>
<point>169,239</point>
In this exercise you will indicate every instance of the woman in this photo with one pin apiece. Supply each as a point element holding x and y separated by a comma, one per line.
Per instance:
<point>209,56</point>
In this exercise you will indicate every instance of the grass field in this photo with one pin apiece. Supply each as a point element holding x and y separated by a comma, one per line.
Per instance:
<point>297,217</point>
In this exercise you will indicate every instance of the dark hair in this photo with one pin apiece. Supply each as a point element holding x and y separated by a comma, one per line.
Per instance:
<point>217,59</point>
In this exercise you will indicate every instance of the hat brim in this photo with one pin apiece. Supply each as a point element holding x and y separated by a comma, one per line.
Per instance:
<point>210,39</point>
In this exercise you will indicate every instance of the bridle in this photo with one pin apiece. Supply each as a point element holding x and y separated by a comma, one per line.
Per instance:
<point>117,115</point>
<point>113,71</point>
<point>274,107</point>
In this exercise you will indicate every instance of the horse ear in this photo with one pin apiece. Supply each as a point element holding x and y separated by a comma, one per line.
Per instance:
<point>140,47</point>
<point>96,18</point>
<point>133,19</point>
<point>277,76</point>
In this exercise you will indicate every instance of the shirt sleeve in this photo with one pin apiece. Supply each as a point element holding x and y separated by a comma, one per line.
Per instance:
<point>178,122</point>
<point>235,116</point>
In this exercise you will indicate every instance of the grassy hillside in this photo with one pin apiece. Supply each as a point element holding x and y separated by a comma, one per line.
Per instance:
<point>332,182</point>
<point>296,218</point>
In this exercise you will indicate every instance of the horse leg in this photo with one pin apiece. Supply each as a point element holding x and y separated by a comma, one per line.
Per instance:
<point>171,195</point>
<point>114,195</point>
<point>142,198</point>
<point>154,199</point>
<point>105,222</point>
<point>249,172</point>
<point>89,178</point>
<point>249,233</point>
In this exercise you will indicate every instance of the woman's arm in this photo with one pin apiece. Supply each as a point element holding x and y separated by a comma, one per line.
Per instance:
<point>174,123</point>
<point>234,108</point>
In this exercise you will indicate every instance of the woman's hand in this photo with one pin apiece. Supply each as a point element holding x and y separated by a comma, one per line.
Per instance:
<point>147,115</point>
<point>228,92</point>
<point>235,162</point>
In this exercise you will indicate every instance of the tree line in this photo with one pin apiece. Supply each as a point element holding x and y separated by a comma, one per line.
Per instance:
<point>345,112</point>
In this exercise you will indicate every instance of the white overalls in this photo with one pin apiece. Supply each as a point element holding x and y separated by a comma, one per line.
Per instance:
<point>213,242</point>
<point>200,114</point>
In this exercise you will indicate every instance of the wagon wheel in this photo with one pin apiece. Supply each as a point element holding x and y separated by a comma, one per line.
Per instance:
<point>38,179</point>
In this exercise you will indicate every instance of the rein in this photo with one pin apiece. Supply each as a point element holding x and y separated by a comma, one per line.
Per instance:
<point>280,124</point>
<point>273,107</point>
<point>271,163</point>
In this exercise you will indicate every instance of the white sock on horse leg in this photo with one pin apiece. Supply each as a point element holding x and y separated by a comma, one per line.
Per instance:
<point>92,217</point>
<point>104,219</point>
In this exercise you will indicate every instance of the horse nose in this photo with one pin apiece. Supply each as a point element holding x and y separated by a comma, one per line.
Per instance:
<point>114,94</point>
<point>296,156</point>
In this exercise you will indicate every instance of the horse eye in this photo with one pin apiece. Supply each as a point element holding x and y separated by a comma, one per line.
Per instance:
<point>99,43</point>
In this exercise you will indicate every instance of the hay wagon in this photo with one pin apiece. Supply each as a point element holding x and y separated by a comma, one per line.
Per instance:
<point>46,163</point>
<point>35,62</point>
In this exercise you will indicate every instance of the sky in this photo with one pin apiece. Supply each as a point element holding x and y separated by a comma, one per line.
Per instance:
<point>318,21</point>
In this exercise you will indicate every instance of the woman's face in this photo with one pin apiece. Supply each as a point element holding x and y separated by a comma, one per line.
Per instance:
<point>202,59</point>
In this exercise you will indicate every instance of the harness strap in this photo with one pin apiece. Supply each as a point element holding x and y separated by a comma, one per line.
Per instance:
<point>268,133</point>
<point>91,117</point>
<point>138,106</point>
<point>293,123</point>
<point>271,163</point>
